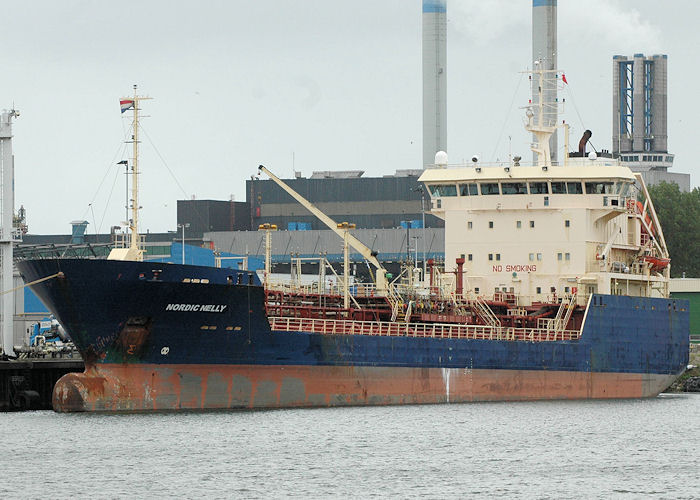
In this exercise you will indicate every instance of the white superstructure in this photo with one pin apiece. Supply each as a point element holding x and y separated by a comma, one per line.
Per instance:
<point>540,232</point>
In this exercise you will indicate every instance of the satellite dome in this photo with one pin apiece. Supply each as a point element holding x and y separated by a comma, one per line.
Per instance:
<point>441,158</point>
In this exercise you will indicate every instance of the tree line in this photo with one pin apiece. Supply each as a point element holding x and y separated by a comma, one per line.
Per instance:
<point>679,216</point>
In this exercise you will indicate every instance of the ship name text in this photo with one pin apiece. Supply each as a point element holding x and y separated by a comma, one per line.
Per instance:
<point>213,308</point>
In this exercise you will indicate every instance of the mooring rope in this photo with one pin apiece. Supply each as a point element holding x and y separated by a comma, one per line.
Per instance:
<point>46,278</point>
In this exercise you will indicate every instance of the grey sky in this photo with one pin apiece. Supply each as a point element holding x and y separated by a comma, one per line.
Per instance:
<point>338,84</point>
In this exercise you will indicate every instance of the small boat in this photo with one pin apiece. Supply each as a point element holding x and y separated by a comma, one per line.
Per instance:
<point>657,263</point>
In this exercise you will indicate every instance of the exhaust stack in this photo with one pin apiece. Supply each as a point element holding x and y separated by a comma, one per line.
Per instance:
<point>434,79</point>
<point>544,56</point>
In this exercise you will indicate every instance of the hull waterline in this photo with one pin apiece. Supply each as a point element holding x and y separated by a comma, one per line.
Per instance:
<point>198,387</point>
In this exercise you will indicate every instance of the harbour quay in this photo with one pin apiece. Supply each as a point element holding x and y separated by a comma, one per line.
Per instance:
<point>27,384</point>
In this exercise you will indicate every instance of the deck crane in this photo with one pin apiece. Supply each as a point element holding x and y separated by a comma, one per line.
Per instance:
<point>363,249</point>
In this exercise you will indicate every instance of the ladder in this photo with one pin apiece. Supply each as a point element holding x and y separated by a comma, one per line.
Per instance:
<point>566,309</point>
<point>484,312</point>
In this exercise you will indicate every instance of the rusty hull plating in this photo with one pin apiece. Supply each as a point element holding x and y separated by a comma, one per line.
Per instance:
<point>135,388</point>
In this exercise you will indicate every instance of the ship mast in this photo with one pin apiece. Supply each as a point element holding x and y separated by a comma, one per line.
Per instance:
<point>134,252</point>
<point>541,116</point>
<point>134,226</point>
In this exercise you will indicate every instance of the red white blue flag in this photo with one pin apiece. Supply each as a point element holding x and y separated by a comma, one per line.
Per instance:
<point>128,104</point>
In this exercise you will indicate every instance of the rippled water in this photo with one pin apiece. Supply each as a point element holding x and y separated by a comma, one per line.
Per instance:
<point>586,449</point>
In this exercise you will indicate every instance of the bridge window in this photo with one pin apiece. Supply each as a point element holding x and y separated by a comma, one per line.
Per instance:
<point>622,188</point>
<point>574,188</point>
<point>468,189</point>
<point>489,188</point>
<point>513,188</point>
<point>440,190</point>
<point>558,188</point>
<point>599,188</point>
<point>538,188</point>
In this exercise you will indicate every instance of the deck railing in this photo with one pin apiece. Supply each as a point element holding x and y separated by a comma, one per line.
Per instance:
<point>418,294</point>
<point>331,288</point>
<point>433,330</point>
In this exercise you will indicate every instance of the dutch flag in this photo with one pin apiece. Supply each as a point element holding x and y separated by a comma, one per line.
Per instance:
<point>128,104</point>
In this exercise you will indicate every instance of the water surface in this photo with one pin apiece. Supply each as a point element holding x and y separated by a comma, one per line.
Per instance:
<point>562,449</point>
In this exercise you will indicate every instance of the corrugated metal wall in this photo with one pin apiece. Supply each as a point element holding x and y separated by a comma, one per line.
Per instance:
<point>389,243</point>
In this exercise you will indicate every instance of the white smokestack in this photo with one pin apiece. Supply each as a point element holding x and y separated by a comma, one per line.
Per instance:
<point>434,79</point>
<point>544,50</point>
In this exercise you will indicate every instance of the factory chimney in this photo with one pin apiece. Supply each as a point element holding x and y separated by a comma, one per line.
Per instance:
<point>544,56</point>
<point>434,79</point>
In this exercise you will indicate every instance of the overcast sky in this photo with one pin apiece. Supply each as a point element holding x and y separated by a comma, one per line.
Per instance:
<point>334,85</point>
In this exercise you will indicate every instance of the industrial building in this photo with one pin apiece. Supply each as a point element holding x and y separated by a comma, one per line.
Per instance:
<point>368,202</point>
<point>689,289</point>
<point>640,118</point>
<point>391,245</point>
<point>201,216</point>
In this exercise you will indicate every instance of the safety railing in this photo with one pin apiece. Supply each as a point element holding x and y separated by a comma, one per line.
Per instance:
<point>398,293</point>
<point>330,288</point>
<point>433,330</point>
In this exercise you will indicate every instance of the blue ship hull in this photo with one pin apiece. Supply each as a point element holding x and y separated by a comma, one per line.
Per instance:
<point>166,336</point>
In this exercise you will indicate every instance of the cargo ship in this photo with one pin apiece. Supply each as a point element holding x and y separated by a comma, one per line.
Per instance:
<point>554,286</point>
